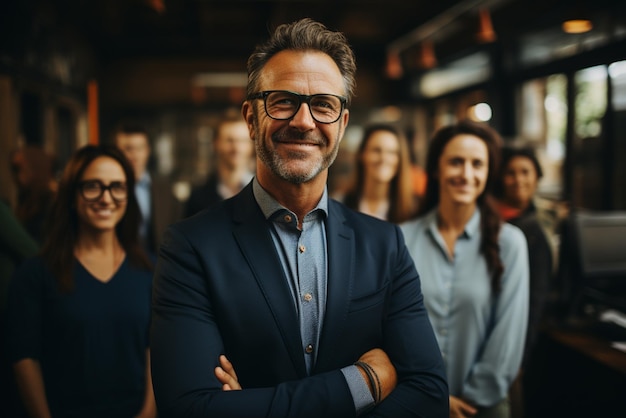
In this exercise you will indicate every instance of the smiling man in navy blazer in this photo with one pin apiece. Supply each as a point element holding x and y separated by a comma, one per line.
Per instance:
<point>281,302</point>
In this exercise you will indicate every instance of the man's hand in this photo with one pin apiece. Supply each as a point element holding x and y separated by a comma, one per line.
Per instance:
<point>225,373</point>
<point>376,358</point>
<point>386,372</point>
<point>461,409</point>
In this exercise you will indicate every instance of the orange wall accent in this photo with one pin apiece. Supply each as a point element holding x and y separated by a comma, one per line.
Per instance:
<point>92,111</point>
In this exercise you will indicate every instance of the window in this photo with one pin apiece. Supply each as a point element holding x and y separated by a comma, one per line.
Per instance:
<point>589,142</point>
<point>542,124</point>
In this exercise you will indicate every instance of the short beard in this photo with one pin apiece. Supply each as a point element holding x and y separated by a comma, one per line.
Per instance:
<point>280,167</point>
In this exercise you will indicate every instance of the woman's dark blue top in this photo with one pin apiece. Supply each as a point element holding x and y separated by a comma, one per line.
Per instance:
<point>91,343</point>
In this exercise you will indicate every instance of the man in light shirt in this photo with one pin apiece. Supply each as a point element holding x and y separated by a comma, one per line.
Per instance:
<point>159,207</point>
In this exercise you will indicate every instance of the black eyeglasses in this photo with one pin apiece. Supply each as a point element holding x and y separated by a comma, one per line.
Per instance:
<point>283,105</point>
<point>92,190</point>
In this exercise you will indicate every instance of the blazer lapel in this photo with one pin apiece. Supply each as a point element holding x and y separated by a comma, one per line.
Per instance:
<point>257,246</point>
<point>340,239</point>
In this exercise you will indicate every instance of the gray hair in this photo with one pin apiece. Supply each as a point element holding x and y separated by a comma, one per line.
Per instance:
<point>302,35</point>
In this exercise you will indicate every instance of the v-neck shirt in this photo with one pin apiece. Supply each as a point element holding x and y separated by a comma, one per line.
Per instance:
<point>90,342</point>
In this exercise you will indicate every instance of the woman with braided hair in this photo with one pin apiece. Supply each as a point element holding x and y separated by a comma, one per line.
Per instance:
<point>474,270</point>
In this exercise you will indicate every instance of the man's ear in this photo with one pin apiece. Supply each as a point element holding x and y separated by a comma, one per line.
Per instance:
<point>344,123</point>
<point>247,111</point>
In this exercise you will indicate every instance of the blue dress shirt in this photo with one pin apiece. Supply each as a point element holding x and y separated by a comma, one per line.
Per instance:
<point>142,191</point>
<point>481,335</point>
<point>303,254</point>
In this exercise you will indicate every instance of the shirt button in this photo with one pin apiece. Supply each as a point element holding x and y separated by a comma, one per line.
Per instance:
<point>287,218</point>
<point>443,331</point>
<point>308,349</point>
<point>302,248</point>
<point>308,297</point>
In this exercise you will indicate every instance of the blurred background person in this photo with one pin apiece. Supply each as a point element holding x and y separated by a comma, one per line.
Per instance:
<point>233,165</point>
<point>33,174</point>
<point>517,195</point>
<point>79,313</point>
<point>16,245</point>
<point>474,270</point>
<point>159,207</point>
<point>515,189</point>
<point>383,178</point>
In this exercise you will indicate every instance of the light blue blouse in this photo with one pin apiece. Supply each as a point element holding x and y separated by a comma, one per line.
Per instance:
<point>481,335</point>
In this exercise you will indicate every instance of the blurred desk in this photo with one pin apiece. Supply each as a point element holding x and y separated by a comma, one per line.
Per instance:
<point>575,373</point>
<point>592,346</point>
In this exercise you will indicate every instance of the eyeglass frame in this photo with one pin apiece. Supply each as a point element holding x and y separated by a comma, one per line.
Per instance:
<point>103,189</point>
<point>306,98</point>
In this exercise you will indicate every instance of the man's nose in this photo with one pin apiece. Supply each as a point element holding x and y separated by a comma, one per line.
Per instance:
<point>303,120</point>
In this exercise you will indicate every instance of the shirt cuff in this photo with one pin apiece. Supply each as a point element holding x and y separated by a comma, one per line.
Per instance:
<point>361,395</point>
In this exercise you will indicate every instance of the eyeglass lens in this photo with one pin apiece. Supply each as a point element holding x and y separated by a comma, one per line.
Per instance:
<point>94,189</point>
<point>325,108</point>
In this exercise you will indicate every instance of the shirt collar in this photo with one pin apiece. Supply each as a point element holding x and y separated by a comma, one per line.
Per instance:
<point>145,180</point>
<point>269,205</point>
<point>471,227</point>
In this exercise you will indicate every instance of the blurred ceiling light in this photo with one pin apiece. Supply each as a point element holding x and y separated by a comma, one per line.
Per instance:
<point>576,17</point>
<point>485,34</point>
<point>394,70</point>
<point>577,26</point>
<point>157,5</point>
<point>427,59</point>
<point>480,112</point>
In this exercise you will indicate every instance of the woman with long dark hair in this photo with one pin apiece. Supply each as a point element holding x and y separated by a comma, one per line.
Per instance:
<point>382,186</point>
<point>79,312</point>
<point>474,270</point>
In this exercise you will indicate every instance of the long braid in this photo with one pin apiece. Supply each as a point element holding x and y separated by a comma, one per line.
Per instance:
<point>489,246</point>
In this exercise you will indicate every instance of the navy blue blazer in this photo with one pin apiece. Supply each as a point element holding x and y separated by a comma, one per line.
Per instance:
<point>219,287</point>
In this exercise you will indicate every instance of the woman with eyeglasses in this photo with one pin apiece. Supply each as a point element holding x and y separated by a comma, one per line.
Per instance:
<point>79,312</point>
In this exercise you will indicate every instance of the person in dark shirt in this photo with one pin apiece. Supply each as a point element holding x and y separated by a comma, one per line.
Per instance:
<point>157,203</point>
<point>79,313</point>
<point>33,173</point>
<point>234,152</point>
<point>515,189</point>
<point>16,245</point>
